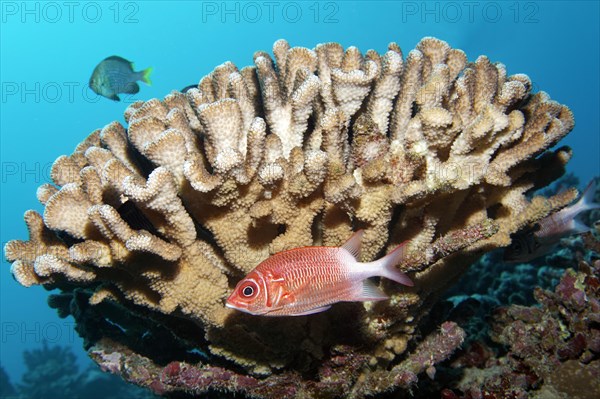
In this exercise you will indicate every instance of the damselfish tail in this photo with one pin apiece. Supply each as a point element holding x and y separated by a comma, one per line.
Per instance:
<point>146,76</point>
<point>386,266</point>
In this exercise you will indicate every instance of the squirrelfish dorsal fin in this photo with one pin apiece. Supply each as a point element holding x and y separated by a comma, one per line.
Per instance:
<point>353,243</point>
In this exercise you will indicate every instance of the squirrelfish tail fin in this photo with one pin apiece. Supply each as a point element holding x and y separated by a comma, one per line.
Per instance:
<point>386,266</point>
<point>586,202</point>
<point>588,196</point>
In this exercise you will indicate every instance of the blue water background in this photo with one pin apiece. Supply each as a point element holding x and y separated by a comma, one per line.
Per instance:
<point>50,49</point>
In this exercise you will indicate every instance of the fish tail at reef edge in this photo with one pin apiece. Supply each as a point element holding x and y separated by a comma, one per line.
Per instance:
<point>586,202</point>
<point>386,266</point>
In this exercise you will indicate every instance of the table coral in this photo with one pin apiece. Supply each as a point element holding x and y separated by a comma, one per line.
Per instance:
<point>164,216</point>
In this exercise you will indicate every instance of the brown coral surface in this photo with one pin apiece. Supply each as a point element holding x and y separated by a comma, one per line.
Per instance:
<point>164,216</point>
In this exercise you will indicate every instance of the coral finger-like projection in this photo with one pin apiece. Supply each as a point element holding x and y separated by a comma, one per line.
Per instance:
<point>147,227</point>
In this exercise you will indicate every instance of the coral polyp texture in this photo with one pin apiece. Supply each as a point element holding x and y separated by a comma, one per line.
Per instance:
<point>153,224</point>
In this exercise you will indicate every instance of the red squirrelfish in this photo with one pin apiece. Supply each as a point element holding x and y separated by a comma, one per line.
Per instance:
<point>544,236</point>
<point>309,280</point>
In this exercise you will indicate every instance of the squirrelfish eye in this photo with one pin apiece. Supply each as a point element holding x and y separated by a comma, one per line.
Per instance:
<point>249,290</point>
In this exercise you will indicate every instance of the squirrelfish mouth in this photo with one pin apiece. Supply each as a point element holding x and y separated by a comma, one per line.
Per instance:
<point>244,310</point>
<point>237,307</point>
<point>234,306</point>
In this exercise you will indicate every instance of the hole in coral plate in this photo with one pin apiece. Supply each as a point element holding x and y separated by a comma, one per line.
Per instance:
<point>281,229</point>
<point>262,233</point>
<point>136,219</point>
<point>414,109</point>
<point>492,211</point>
<point>310,128</point>
<point>316,229</point>
<point>67,238</point>
<point>144,164</point>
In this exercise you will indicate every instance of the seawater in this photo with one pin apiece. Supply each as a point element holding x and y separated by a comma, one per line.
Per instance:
<point>49,49</point>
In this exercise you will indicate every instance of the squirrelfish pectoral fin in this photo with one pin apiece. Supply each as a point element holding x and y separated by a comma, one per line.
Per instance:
<point>312,311</point>
<point>370,292</point>
<point>353,244</point>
